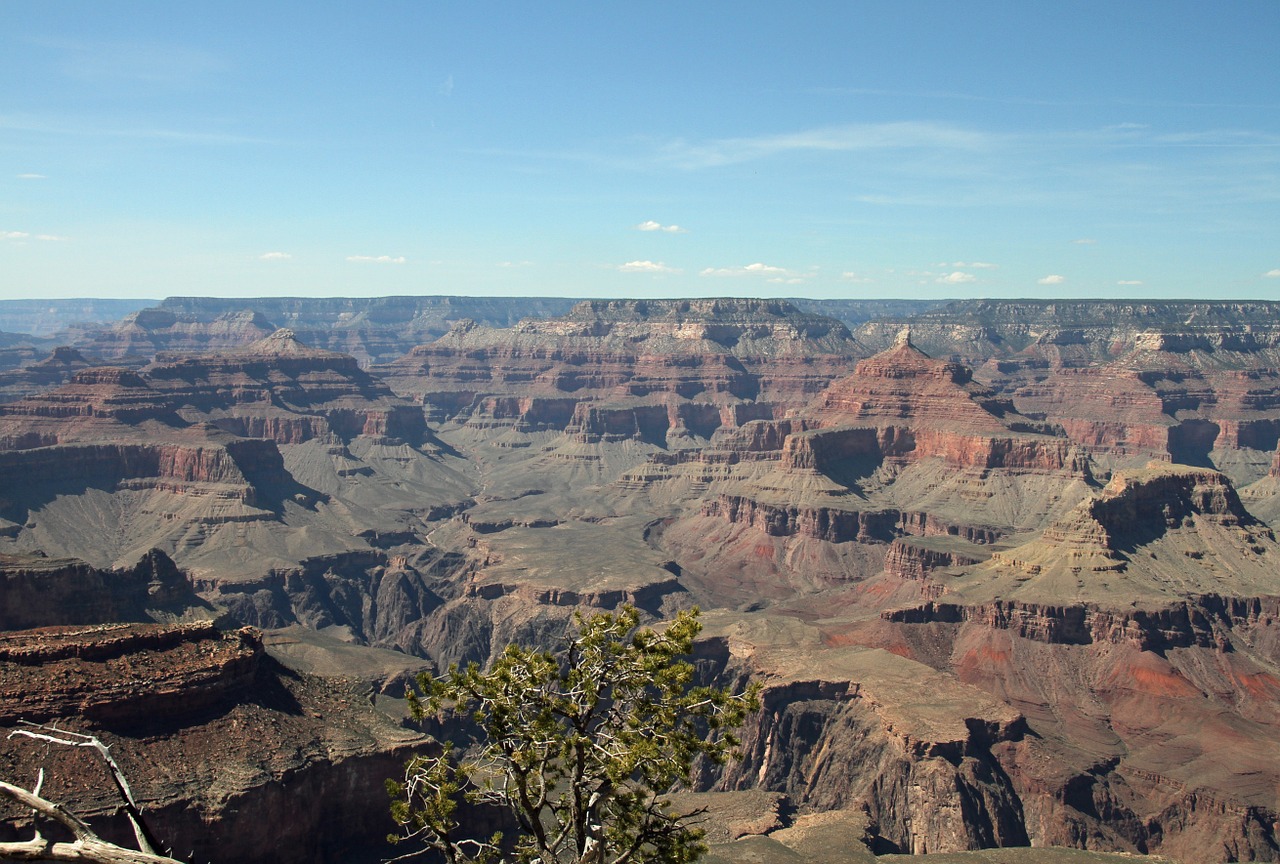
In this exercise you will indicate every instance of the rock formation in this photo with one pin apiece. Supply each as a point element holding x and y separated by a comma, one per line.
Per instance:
<point>219,742</point>
<point>1016,587</point>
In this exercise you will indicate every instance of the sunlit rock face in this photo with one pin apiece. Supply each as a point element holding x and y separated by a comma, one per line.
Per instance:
<point>1007,572</point>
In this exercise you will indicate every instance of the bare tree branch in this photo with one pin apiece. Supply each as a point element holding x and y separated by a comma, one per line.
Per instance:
<point>146,841</point>
<point>87,846</point>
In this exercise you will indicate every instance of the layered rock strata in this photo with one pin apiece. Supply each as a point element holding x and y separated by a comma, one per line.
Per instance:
<point>219,743</point>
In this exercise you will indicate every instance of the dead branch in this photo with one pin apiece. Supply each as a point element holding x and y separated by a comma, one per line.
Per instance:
<point>87,846</point>
<point>146,841</point>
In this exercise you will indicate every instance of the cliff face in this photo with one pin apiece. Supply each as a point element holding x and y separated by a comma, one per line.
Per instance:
<point>711,364</point>
<point>275,387</point>
<point>873,733</point>
<point>1148,615</point>
<point>980,616</point>
<point>1190,382</point>
<point>44,592</point>
<point>97,674</point>
<point>206,727</point>
<point>371,329</point>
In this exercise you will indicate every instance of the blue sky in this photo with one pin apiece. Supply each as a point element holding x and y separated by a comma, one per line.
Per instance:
<point>819,149</point>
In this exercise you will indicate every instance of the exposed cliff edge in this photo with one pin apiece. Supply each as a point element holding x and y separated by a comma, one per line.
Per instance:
<point>36,591</point>
<point>217,740</point>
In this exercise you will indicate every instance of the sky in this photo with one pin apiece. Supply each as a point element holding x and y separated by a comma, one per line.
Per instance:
<point>859,148</point>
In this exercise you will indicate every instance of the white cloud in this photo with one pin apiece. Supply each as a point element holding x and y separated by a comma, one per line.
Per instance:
<point>511,264</point>
<point>790,280</point>
<point>1084,241</point>
<point>1129,282</point>
<point>275,256</point>
<point>446,87</point>
<point>30,176</point>
<point>23,236</point>
<point>375,259</point>
<point>850,276</point>
<point>1273,274</point>
<point>646,267</point>
<point>756,269</point>
<point>847,138</point>
<point>650,225</point>
<point>1052,279</point>
<point>957,278</point>
<point>972,265</point>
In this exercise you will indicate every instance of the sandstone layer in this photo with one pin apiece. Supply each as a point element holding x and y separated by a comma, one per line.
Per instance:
<point>1008,577</point>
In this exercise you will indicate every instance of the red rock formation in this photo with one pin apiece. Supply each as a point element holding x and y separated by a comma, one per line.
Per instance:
<point>715,364</point>
<point>123,673</point>
<point>217,741</point>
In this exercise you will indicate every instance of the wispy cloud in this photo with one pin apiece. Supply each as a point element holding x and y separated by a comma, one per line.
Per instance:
<point>30,176</point>
<point>275,256</point>
<point>770,273</point>
<point>756,269</point>
<point>1272,274</point>
<point>1084,241</point>
<point>957,278</point>
<point>375,259</point>
<point>856,278</point>
<point>134,62</point>
<point>23,236</point>
<point>446,87</point>
<point>1129,282</point>
<point>958,96</point>
<point>76,127</point>
<point>1052,279</point>
<point>848,138</point>
<point>650,225</point>
<point>647,267</point>
<point>971,265</point>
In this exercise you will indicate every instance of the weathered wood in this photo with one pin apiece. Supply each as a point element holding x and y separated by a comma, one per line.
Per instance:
<point>146,841</point>
<point>87,847</point>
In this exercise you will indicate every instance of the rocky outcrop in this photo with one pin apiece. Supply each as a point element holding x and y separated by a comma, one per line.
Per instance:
<point>229,464</point>
<point>280,388</point>
<point>713,364</point>
<point>916,558</point>
<point>42,592</point>
<point>822,449</point>
<point>925,775</point>
<point>217,740</point>
<point>53,371</point>
<point>123,673</point>
<point>371,596</point>
<point>820,523</point>
<point>1202,621</point>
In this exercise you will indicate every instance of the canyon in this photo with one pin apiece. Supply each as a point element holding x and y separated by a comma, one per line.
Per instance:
<point>1007,571</point>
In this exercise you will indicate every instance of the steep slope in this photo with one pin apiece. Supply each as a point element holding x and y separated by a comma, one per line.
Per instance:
<point>372,329</point>
<point>1139,636</point>
<point>657,370</point>
<point>219,742</point>
<point>905,446</point>
<point>232,463</point>
<point>981,618</point>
